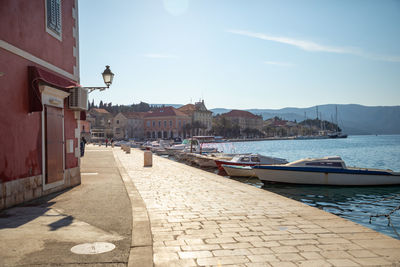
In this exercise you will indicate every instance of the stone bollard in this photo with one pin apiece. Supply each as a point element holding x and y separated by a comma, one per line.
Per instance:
<point>148,158</point>
<point>127,149</point>
<point>112,145</point>
<point>122,147</point>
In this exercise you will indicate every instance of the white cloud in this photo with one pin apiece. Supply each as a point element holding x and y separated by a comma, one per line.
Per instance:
<point>278,63</point>
<point>315,47</point>
<point>159,56</point>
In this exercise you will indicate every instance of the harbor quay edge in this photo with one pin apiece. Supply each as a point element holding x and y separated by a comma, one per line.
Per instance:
<point>198,218</point>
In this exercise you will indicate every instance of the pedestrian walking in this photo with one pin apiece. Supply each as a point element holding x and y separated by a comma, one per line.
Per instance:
<point>106,142</point>
<point>82,145</point>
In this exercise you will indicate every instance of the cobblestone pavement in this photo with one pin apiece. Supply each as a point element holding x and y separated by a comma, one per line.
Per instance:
<point>201,219</point>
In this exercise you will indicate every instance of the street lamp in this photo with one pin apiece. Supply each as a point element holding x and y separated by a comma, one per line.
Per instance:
<point>108,79</point>
<point>107,76</point>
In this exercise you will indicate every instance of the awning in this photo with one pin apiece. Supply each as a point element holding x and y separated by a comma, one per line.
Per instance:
<point>38,75</point>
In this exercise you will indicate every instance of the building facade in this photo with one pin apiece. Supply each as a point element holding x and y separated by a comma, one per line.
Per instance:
<point>201,117</point>
<point>165,123</point>
<point>39,133</point>
<point>129,125</point>
<point>244,119</point>
<point>101,125</point>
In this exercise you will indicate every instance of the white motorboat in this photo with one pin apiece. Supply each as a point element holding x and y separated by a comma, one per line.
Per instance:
<point>190,145</point>
<point>250,160</point>
<point>157,147</point>
<point>325,171</point>
<point>239,171</point>
<point>208,160</point>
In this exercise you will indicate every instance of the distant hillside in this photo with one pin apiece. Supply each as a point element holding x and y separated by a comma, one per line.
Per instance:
<point>353,119</point>
<point>167,105</point>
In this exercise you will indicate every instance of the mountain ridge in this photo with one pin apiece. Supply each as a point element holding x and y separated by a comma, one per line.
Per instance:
<point>352,118</point>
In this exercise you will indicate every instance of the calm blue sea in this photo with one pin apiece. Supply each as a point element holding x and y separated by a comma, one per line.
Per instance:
<point>354,203</point>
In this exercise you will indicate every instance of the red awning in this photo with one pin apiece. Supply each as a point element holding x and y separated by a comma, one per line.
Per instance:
<point>36,76</point>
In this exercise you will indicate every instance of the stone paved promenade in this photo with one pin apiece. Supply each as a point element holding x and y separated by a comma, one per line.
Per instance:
<point>201,219</point>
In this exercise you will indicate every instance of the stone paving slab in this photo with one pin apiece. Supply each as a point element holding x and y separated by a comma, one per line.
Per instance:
<point>201,219</point>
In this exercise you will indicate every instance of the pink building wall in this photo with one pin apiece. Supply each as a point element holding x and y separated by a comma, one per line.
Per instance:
<point>24,25</point>
<point>24,42</point>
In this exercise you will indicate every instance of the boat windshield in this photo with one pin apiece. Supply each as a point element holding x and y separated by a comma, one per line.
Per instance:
<point>255,159</point>
<point>245,159</point>
<point>332,164</point>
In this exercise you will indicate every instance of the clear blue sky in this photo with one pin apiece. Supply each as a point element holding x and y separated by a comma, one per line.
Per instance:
<point>243,53</point>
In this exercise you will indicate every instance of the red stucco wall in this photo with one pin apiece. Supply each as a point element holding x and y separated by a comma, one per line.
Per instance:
<point>24,26</point>
<point>20,132</point>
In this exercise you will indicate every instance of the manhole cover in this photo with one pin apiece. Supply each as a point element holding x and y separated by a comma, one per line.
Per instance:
<point>93,248</point>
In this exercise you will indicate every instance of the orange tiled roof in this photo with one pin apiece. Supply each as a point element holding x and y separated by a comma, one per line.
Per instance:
<point>100,110</point>
<point>240,113</point>
<point>188,109</point>
<point>134,115</point>
<point>164,112</point>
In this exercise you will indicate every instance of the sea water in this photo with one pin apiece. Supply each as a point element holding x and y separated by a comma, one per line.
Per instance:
<point>357,204</point>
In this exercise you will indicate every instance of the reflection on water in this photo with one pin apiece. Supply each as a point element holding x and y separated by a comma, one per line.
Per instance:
<point>353,203</point>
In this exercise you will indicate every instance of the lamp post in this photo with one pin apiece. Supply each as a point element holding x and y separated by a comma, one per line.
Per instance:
<point>109,131</point>
<point>108,77</point>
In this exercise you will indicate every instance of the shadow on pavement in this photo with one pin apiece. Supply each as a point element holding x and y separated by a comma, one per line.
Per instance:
<point>24,213</point>
<point>61,223</point>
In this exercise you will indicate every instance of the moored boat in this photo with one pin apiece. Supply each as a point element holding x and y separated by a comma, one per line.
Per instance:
<point>208,160</point>
<point>250,160</point>
<point>239,171</point>
<point>190,145</point>
<point>325,171</point>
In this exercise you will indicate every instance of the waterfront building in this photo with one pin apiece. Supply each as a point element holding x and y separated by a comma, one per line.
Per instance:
<point>40,131</point>
<point>165,123</point>
<point>129,125</point>
<point>201,117</point>
<point>244,119</point>
<point>101,124</point>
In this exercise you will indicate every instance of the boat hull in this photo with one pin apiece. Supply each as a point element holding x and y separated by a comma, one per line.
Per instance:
<point>326,177</point>
<point>239,171</point>
<point>206,162</point>
<point>221,162</point>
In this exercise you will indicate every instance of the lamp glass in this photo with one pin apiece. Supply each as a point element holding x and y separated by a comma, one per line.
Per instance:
<point>108,76</point>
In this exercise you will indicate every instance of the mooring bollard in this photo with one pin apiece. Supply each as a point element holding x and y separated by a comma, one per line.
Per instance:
<point>148,159</point>
<point>128,150</point>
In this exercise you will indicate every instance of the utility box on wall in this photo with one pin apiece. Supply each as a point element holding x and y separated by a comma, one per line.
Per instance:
<point>78,99</point>
<point>70,146</point>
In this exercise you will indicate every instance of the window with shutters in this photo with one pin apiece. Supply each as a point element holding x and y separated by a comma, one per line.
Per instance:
<point>53,18</point>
